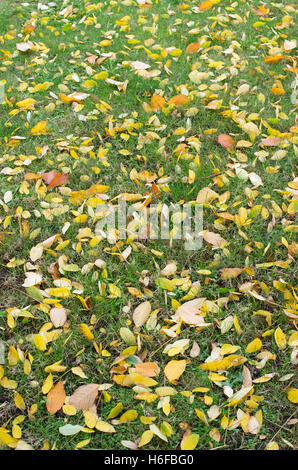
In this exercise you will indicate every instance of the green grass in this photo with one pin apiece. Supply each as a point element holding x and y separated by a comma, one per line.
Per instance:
<point>37,212</point>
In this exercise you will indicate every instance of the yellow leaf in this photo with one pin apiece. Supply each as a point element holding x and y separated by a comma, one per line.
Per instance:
<point>280,338</point>
<point>13,356</point>
<point>254,346</point>
<point>165,283</point>
<point>238,396</point>
<point>114,290</point>
<point>41,87</point>
<point>82,444</point>
<point>127,336</point>
<point>7,439</point>
<point>166,408</point>
<point>89,84</point>
<point>39,342</point>
<point>85,330</point>
<point>145,438</point>
<point>104,427</point>
<point>190,442</point>
<point>293,340</point>
<point>128,416</point>
<point>56,367</point>
<point>237,325</point>
<point>272,446</point>
<point>79,371</point>
<point>223,364</point>
<point>217,377</point>
<point>62,292</point>
<point>40,128</point>
<point>90,419</point>
<point>175,52</point>
<point>69,410</point>
<point>115,411</point>
<point>47,385</point>
<point>16,431</point>
<point>7,383</point>
<point>228,349</point>
<point>293,395</point>
<point>26,104</point>
<point>174,369</point>
<point>19,401</point>
<point>201,415</point>
<point>251,129</point>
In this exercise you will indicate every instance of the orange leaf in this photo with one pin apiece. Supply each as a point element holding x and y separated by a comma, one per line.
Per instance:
<point>156,189</point>
<point>225,140</point>
<point>230,273</point>
<point>56,398</point>
<point>206,5</point>
<point>277,91</point>
<point>48,177</point>
<point>157,102</point>
<point>53,178</point>
<point>32,176</point>
<point>179,100</point>
<point>147,369</point>
<point>193,47</point>
<point>59,179</point>
<point>261,11</point>
<point>273,59</point>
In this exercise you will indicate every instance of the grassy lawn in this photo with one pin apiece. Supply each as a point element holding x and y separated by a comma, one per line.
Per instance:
<point>110,342</point>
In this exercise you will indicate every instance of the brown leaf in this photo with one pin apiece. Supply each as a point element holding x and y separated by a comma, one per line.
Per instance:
<point>141,314</point>
<point>214,239</point>
<point>247,379</point>
<point>230,273</point>
<point>56,398</point>
<point>195,350</point>
<point>147,369</point>
<point>84,396</point>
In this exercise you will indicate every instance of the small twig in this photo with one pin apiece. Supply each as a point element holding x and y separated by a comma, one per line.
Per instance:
<point>283,426</point>
<point>226,430</point>
<point>121,255</point>
<point>161,347</point>
<point>165,344</point>
<point>59,378</point>
<point>275,424</point>
<point>219,447</point>
<point>22,292</point>
<point>210,176</point>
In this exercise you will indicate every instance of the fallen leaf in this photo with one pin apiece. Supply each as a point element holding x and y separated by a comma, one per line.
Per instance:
<point>84,396</point>
<point>174,369</point>
<point>56,398</point>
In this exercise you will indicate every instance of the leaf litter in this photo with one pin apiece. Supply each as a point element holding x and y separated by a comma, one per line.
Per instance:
<point>135,339</point>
